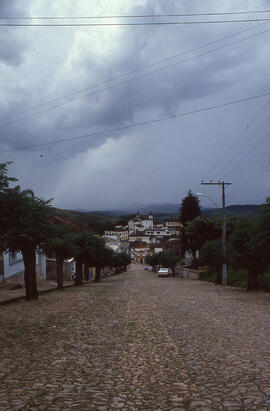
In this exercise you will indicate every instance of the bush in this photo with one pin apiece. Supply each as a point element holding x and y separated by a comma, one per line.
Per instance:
<point>264,280</point>
<point>237,278</point>
<point>208,275</point>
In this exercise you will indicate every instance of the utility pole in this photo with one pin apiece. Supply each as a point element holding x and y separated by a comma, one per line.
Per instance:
<point>224,254</point>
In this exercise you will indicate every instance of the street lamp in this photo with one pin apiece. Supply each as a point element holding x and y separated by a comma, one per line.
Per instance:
<point>209,198</point>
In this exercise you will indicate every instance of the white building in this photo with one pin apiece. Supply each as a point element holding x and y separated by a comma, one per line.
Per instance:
<point>173,224</point>
<point>140,223</point>
<point>117,234</point>
<point>158,232</point>
<point>113,244</point>
<point>12,266</point>
<point>141,238</point>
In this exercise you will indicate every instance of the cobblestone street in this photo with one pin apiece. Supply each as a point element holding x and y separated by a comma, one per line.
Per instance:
<point>137,342</point>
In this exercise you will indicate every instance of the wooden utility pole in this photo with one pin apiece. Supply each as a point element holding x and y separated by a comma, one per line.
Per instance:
<point>224,253</point>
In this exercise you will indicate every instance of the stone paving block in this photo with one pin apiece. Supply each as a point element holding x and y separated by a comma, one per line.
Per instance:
<point>137,342</point>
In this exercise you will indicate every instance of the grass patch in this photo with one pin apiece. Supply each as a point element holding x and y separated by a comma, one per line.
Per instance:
<point>209,275</point>
<point>264,280</point>
<point>237,278</point>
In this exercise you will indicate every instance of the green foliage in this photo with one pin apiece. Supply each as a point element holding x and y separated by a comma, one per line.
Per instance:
<point>24,226</point>
<point>165,259</point>
<point>263,233</point>
<point>211,254</point>
<point>264,280</point>
<point>190,208</point>
<point>241,241</point>
<point>237,278</point>
<point>200,230</point>
<point>60,242</point>
<point>4,179</point>
<point>93,222</point>
<point>120,260</point>
<point>153,259</point>
<point>24,220</point>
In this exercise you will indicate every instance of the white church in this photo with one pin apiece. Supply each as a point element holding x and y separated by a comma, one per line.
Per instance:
<point>140,223</point>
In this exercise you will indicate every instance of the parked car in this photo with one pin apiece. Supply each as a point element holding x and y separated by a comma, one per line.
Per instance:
<point>164,272</point>
<point>146,267</point>
<point>150,268</point>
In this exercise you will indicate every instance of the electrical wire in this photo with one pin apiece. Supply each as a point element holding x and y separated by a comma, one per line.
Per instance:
<point>247,128</point>
<point>250,151</point>
<point>135,16</point>
<point>132,79</point>
<point>137,70</point>
<point>241,150</point>
<point>153,23</point>
<point>143,123</point>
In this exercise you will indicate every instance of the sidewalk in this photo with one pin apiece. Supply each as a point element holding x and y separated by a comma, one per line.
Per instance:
<point>8,295</point>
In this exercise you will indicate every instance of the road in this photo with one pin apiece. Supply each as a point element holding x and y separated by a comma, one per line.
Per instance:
<point>137,342</point>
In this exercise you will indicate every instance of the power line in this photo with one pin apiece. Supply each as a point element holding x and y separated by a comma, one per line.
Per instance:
<point>238,138</point>
<point>143,123</point>
<point>133,16</point>
<point>241,150</point>
<point>250,151</point>
<point>12,121</point>
<point>154,23</point>
<point>139,69</point>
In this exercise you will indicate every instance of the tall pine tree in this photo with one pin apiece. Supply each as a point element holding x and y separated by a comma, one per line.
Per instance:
<point>190,208</point>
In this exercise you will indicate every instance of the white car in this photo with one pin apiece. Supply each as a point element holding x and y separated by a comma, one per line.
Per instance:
<point>164,272</point>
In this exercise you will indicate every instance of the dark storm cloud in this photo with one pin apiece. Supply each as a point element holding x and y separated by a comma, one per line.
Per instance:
<point>67,61</point>
<point>12,45</point>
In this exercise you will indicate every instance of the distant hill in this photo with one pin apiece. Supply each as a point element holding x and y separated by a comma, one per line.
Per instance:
<point>95,222</point>
<point>99,220</point>
<point>171,210</point>
<point>110,213</point>
<point>233,210</point>
<point>156,208</point>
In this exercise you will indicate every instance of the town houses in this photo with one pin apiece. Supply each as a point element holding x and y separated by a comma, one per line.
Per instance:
<point>141,237</point>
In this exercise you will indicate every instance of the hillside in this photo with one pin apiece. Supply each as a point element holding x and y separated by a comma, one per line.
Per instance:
<point>233,210</point>
<point>99,221</point>
<point>95,222</point>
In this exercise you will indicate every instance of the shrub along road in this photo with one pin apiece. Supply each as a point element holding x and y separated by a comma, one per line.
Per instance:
<point>137,342</point>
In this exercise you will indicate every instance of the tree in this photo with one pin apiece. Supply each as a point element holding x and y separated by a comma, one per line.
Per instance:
<point>103,258</point>
<point>60,243</point>
<point>4,179</point>
<point>164,258</point>
<point>126,260</point>
<point>90,250</point>
<point>153,260</point>
<point>24,226</point>
<point>200,230</point>
<point>84,250</point>
<point>189,208</point>
<point>121,260</point>
<point>211,255</point>
<point>168,260</point>
<point>246,242</point>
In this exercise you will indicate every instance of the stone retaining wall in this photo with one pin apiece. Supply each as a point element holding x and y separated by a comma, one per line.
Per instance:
<point>187,273</point>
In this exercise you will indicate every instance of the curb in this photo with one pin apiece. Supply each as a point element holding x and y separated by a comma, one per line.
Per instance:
<point>22,297</point>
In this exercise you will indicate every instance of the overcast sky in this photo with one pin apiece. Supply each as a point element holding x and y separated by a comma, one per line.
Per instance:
<point>59,83</point>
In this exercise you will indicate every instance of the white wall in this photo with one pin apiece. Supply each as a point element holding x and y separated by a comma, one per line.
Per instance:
<point>12,269</point>
<point>14,266</point>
